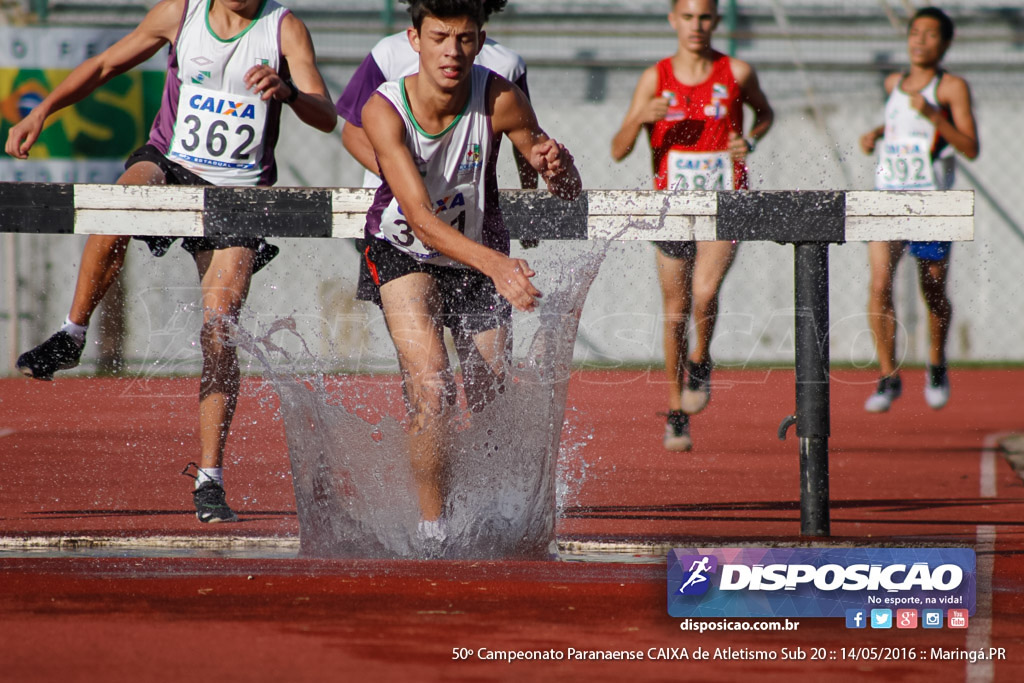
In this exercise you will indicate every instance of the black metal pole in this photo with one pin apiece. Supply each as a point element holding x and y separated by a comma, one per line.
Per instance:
<point>812,385</point>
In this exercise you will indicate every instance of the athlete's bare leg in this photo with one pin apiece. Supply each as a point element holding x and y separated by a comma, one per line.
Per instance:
<point>103,255</point>
<point>224,276</point>
<point>713,262</point>
<point>932,275</point>
<point>675,277</point>
<point>411,306</point>
<point>483,358</point>
<point>883,258</point>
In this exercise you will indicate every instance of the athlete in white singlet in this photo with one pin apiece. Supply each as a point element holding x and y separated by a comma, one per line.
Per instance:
<point>928,118</point>
<point>231,67</point>
<point>393,58</point>
<point>437,248</point>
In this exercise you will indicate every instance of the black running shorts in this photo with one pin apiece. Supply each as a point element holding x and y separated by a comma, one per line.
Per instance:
<point>178,175</point>
<point>469,301</point>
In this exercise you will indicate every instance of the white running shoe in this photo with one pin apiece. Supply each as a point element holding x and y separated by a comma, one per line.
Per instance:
<point>889,389</point>
<point>936,387</point>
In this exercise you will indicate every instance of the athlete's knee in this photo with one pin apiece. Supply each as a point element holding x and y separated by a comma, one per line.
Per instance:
<point>705,298</point>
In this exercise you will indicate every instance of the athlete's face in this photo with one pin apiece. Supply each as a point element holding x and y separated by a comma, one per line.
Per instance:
<point>447,48</point>
<point>694,21</point>
<point>924,42</point>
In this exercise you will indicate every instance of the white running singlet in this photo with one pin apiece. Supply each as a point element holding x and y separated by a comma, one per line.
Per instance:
<point>452,165</point>
<point>912,155</point>
<point>221,128</point>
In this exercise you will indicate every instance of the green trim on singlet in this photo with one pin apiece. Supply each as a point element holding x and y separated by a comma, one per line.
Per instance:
<point>256,17</point>
<point>415,123</point>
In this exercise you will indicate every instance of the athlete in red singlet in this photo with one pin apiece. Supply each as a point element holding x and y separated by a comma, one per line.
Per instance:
<point>692,107</point>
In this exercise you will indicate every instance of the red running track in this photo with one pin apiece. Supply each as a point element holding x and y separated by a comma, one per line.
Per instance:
<point>99,458</point>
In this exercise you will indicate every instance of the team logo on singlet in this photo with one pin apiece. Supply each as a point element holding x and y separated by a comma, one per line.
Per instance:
<point>471,161</point>
<point>717,110</point>
<point>200,77</point>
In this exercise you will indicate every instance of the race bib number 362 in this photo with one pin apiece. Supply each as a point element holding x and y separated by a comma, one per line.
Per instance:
<point>700,171</point>
<point>218,130</point>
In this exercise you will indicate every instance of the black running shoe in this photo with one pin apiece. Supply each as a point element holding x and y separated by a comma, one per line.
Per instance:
<point>889,389</point>
<point>211,506</point>
<point>677,432</point>
<point>59,352</point>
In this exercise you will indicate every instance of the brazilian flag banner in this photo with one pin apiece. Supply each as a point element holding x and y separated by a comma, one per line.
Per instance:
<point>89,141</point>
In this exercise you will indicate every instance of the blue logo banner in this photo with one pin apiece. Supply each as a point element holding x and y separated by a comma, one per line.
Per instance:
<point>818,582</point>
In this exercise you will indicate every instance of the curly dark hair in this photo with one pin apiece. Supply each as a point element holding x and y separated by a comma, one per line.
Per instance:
<point>946,27</point>
<point>480,10</point>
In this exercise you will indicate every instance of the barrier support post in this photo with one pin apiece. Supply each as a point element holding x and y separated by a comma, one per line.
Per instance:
<point>812,384</point>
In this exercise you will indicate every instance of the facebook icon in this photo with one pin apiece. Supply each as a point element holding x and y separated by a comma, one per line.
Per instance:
<point>856,618</point>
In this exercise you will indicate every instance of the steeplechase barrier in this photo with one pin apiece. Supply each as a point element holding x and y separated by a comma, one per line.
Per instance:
<point>809,220</point>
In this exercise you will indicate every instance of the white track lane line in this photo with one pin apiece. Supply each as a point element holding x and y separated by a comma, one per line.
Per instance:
<point>979,635</point>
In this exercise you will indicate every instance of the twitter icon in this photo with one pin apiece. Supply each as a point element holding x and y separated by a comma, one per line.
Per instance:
<point>881,618</point>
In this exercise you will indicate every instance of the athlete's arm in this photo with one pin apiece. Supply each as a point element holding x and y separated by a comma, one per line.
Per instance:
<point>312,103</point>
<point>527,174</point>
<point>961,132</point>
<point>869,139</point>
<point>358,145</point>
<point>386,132</point>
<point>512,115</point>
<point>647,107</point>
<point>750,89</point>
<point>158,28</point>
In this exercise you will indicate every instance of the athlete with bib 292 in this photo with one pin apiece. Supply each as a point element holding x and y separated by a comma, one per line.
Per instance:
<point>231,67</point>
<point>692,107</point>
<point>928,118</point>
<point>437,248</point>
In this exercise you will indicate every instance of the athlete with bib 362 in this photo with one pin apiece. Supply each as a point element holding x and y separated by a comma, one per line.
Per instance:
<point>232,66</point>
<point>928,118</point>
<point>692,107</point>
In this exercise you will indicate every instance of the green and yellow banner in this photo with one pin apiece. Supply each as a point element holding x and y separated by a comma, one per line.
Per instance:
<point>89,141</point>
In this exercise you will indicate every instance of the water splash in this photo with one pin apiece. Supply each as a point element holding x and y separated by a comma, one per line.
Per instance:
<point>354,487</point>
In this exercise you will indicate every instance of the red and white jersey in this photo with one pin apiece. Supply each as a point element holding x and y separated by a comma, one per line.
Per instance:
<point>913,156</point>
<point>689,146</point>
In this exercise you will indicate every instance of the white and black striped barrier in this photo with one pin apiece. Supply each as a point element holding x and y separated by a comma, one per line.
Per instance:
<point>810,220</point>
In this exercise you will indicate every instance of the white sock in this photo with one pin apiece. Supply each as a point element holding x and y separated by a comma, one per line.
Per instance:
<point>210,474</point>
<point>76,331</point>
<point>435,529</point>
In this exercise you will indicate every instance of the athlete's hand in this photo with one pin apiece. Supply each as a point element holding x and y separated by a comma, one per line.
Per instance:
<point>921,105</point>
<point>266,83</point>
<point>511,277</point>
<point>655,110</point>
<point>21,137</point>
<point>738,148</point>
<point>868,141</point>
<point>556,166</point>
